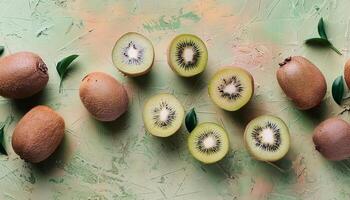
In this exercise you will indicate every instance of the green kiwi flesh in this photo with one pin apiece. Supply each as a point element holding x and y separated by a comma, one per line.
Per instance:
<point>267,138</point>
<point>208,142</point>
<point>187,55</point>
<point>231,88</point>
<point>133,54</point>
<point>163,115</point>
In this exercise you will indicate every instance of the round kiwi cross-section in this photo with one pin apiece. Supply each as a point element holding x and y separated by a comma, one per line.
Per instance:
<point>208,142</point>
<point>267,138</point>
<point>163,115</point>
<point>231,88</point>
<point>133,54</point>
<point>187,55</point>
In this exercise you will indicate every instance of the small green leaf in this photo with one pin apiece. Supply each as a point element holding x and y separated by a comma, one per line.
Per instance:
<point>191,120</point>
<point>63,67</point>
<point>321,29</point>
<point>2,49</point>
<point>338,89</point>
<point>2,148</point>
<point>321,42</point>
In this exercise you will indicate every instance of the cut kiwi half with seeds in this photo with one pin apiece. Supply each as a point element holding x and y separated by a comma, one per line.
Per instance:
<point>163,115</point>
<point>267,138</point>
<point>187,55</point>
<point>208,142</point>
<point>133,54</point>
<point>231,88</point>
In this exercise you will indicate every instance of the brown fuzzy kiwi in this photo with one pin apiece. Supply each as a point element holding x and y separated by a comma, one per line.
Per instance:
<point>347,73</point>
<point>22,75</point>
<point>332,139</point>
<point>302,81</point>
<point>103,96</point>
<point>38,134</point>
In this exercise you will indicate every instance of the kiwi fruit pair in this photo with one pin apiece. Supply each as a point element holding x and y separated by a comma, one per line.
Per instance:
<point>332,139</point>
<point>231,88</point>
<point>302,82</point>
<point>267,138</point>
<point>38,134</point>
<point>103,96</point>
<point>133,55</point>
<point>22,75</point>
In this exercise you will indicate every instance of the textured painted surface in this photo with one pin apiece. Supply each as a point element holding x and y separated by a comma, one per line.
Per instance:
<point>119,160</point>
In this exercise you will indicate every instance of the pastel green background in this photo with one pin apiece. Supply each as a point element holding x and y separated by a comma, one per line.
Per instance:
<point>119,160</point>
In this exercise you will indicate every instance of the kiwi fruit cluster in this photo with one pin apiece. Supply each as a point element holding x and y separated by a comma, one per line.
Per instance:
<point>266,137</point>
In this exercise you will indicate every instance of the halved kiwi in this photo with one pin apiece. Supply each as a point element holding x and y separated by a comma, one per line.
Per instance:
<point>163,115</point>
<point>267,138</point>
<point>208,142</point>
<point>133,54</point>
<point>231,88</point>
<point>187,55</point>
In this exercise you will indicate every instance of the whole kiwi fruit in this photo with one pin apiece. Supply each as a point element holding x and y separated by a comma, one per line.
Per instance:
<point>38,134</point>
<point>302,81</point>
<point>22,75</point>
<point>347,73</point>
<point>332,139</point>
<point>103,96</point>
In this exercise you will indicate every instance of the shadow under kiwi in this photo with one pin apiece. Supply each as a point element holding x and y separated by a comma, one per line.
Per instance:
<point>113,127</point>
<point>318,113</point>
<point>24,105</point>
<point>244,115</point>
<point>56,160</point>
<point>341,167</point>
<point>193,85</point>
<point>144,81</point>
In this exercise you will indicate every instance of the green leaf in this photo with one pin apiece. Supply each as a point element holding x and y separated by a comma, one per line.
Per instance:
<point>2,148</point>
<point>321,29</point>
<point>2,49</point>
<point>191,120</point>
<point>338,89</point>
<point>321,42</point>
<point>63,67</point>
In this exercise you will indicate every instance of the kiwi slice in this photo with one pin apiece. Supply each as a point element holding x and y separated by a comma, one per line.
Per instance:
<point>208,142</point>
<point>187,55</point>
<point>231,88</point>
<point>133,54</point>
<point>267,138</point>
<point>163,115</point>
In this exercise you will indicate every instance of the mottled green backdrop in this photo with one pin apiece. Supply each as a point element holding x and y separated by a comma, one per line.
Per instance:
<point>119,160</point>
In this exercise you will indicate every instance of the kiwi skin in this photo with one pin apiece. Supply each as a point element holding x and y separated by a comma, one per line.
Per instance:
<point>332,139</point>
<point>347,73</point>
<point>22,75</point>
<point>38,134</point>
<point>302,81</point>
<point>103,96</point>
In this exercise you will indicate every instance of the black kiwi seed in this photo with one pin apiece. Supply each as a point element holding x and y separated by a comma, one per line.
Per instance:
<point>202,137</point>
<point>237,83</point>
<point>180,48</point>
<point>256,134</point>
<point>133,61</point>
<point>156,115</point>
